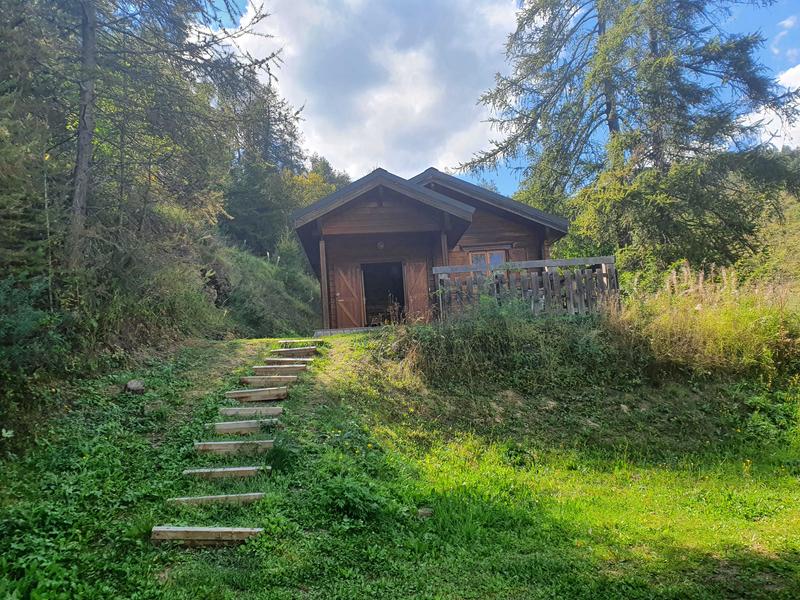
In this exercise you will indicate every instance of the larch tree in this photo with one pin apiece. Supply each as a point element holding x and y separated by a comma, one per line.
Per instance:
<point>187,38</point>
<point>661,74</point>
<point>564,94</point>
<point>633,117</point>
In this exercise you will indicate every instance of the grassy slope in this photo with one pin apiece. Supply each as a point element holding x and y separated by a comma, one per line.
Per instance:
<point>591,493</point>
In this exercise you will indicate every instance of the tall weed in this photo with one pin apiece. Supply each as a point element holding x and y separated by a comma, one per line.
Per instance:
<point>268,299</point>
<point>506,345</point>
<point>702,325</point>
<point>713,324</point>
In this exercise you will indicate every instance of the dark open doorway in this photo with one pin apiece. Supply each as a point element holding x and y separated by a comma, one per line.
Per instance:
<point>384,296</point>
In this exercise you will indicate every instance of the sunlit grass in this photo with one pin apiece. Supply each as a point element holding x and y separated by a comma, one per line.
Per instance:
<point>712,323</point>
<point>385,486</point>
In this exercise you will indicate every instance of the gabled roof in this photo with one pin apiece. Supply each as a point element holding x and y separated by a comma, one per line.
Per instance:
<point>305,220</point>
<point>435,176</point>
<point>381,177</point>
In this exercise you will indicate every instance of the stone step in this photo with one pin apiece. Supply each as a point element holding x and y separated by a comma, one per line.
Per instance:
<point>259,394</point>
<point>243,426</point>
<point>301,352</point>
<point>277,360</point>
<point>227,472</point>
<point>203,536</point>
<point>306,342</point>
<point>234,447</point>
<point>223,499</point>
<point>282,369</point>
<point>267,380</point>
<point>251,411</point>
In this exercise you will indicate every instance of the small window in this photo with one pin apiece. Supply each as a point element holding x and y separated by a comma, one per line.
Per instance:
<point>488,259</point>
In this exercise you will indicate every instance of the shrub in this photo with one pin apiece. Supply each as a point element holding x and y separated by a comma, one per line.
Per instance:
<point>341,488</point>
<point>31,340</point>
<point>505,345</point>
<point>154,302</point>
<point>29,334</point>
<point>701,325</point>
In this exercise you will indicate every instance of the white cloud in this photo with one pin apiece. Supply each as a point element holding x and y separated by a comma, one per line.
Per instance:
<point>391,84</point>
<point>774,46</point>
<point>785,25</point>
<point>774,130</point>
<point>790,78</point>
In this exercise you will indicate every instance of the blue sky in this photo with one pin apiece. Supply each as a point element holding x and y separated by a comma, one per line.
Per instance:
<point>395,84</point>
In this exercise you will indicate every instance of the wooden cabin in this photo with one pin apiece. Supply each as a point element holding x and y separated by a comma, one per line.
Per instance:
<point>373,243</point>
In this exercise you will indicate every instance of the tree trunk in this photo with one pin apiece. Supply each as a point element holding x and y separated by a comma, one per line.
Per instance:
<point>609,93</point>
<point>659,159</point>
<point>86,124</point>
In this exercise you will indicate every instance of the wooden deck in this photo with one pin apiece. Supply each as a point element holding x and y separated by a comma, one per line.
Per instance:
<point>327,332</point>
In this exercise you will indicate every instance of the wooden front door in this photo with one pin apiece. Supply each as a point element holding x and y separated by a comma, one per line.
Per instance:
<point>415,275</point>
<point>349,296</point>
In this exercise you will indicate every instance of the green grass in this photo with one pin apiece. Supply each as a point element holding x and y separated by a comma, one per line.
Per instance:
<point>581,491</point>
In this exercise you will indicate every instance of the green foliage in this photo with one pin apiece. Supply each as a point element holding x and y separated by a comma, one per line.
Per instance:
<point>707,211</point>
<point>257,205</point>
<point>605,83</point>
<point>773,414</point>
<point>31,342</point>
<point>89,509</point>
<point>24,325</point>
<point>676,495</point>
<point>345,490</point>
<point>778,259</point>
<point>268,299</point>
<point>260,199</point>
<point>320,166</point>
<point>641,132</point>
<point>183,129</point>
<point>150,304</point>
<point>703,325</point>
<point>506,346</point>
<point>711,325</point>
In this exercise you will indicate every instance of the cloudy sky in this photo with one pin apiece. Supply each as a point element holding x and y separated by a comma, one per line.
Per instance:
<point>395,83</point>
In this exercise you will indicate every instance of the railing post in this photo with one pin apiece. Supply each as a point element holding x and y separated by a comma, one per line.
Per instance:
<point>440,293</point>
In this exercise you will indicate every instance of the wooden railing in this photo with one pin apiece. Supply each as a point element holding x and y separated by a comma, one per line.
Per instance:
<point>570,286</point>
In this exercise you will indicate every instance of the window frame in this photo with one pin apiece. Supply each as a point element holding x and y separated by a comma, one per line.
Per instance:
<point>486,253</point>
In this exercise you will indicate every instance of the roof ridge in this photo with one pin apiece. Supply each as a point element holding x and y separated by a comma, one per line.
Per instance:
<point>353,189</point>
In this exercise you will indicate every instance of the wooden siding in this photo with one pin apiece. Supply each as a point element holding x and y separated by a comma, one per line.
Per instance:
<point>346,254</point>
<point>419,251</point>
<point>382,226</point>
<point>490,230</point>
<point>491,227</point>
<point>380,213</point>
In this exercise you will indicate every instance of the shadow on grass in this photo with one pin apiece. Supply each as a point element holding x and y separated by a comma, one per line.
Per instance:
<point>516,513</point>
<point>512,545</point>
<point>670,423</point>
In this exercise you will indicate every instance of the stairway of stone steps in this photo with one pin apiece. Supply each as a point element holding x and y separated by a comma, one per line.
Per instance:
<point>251,418</point>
